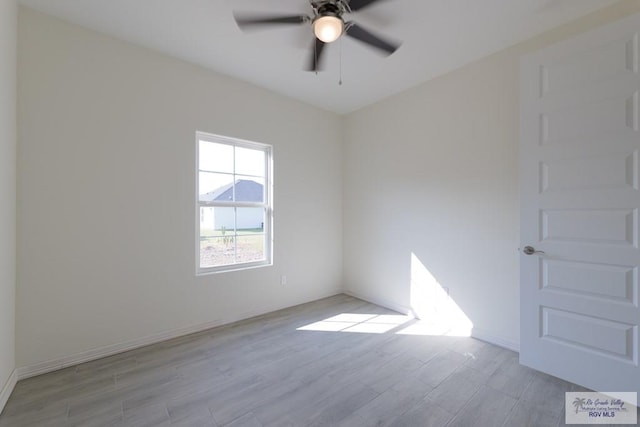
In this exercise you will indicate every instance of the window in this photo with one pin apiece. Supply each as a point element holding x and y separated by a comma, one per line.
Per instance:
<point>233,204</point>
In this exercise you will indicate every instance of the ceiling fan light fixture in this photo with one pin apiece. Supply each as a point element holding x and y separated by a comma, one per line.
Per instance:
<point>328,28</point>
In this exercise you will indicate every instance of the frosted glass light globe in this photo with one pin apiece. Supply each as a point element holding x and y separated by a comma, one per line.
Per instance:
<point>328,28</point>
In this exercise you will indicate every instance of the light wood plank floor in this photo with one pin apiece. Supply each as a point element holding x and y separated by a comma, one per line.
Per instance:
<point>266,372</point>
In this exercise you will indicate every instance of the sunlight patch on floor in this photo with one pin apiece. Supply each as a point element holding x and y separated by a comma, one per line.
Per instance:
<point>359,323</point>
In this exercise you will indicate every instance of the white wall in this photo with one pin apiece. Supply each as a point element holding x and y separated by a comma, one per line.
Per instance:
<point>8,34</point>
<point>106,193</point>
<point>433,172</point>
<point>106,136</point>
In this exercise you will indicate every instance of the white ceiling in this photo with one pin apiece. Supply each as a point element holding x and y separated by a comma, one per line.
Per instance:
<point>438,36</point>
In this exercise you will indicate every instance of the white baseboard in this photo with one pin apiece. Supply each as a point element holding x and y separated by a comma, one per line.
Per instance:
<point>110,350</point>
<point>7,389</point>
<point>476,333</point>
<point>378,301</point>
<point>496,340</point>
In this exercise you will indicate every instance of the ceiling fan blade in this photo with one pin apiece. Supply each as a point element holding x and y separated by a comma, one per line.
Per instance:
<point>360,4</point>
<point>316,55</point>
<point>247,21</point>
<point>359,33</point>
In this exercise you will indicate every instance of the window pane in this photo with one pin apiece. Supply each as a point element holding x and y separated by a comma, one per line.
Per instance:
<point>207,225</point>
<point>216,251</point>
<point>250,162</point>
<point>250,247</point>
<point>217,222</point>
<point>217,236</point>
<point>215,187</point>
<point>250,220</point>
<point>215,157</point>
<point>249,189</point>
<point>224,220</point>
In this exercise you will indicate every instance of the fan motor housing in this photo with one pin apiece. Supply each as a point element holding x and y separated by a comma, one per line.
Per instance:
<point>329,8</point>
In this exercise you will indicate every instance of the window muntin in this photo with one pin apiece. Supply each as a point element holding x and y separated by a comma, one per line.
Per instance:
<point>233,204</point>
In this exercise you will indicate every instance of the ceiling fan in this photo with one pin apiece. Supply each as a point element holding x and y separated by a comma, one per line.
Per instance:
<point>328,25</point>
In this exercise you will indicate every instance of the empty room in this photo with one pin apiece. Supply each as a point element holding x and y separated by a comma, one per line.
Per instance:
<point>319,213</point>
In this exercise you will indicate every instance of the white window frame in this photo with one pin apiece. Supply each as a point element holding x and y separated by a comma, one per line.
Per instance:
<point>267,204</point>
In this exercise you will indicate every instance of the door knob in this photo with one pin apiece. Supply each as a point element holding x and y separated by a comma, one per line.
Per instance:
<point>530,250</point>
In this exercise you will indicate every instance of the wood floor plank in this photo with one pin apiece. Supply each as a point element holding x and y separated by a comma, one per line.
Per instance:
<point>400,369</point>
<point>545,391</point>
<point>388,406</point>
<point>30,416</point>
<point>511,377</point>
<point>455,391</point>
<point>488,359</point>
<point>343,402</point>
<point>266,390</point>
<point>440,367</point>
<point>147,416</point>
<point>487,408</point>
<point>424,414</point>
<point>303,402</point>
<point>526,415</point>
<point>247,420</point>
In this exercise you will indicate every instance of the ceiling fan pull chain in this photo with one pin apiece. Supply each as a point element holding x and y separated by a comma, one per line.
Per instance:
<point>340,82</point>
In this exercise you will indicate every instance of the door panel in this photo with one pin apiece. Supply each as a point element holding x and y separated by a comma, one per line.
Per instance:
<point>588,333</point>
<point>614,59</point>
<point>594,226</point>
<point>591,280</point>
<point>579,186</point>
<point>617,171</point>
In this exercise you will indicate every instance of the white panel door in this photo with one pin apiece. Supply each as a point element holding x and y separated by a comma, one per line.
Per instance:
<point>580,198</point>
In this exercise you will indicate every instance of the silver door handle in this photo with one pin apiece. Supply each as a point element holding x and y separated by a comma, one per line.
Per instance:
<point>530,250</point>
